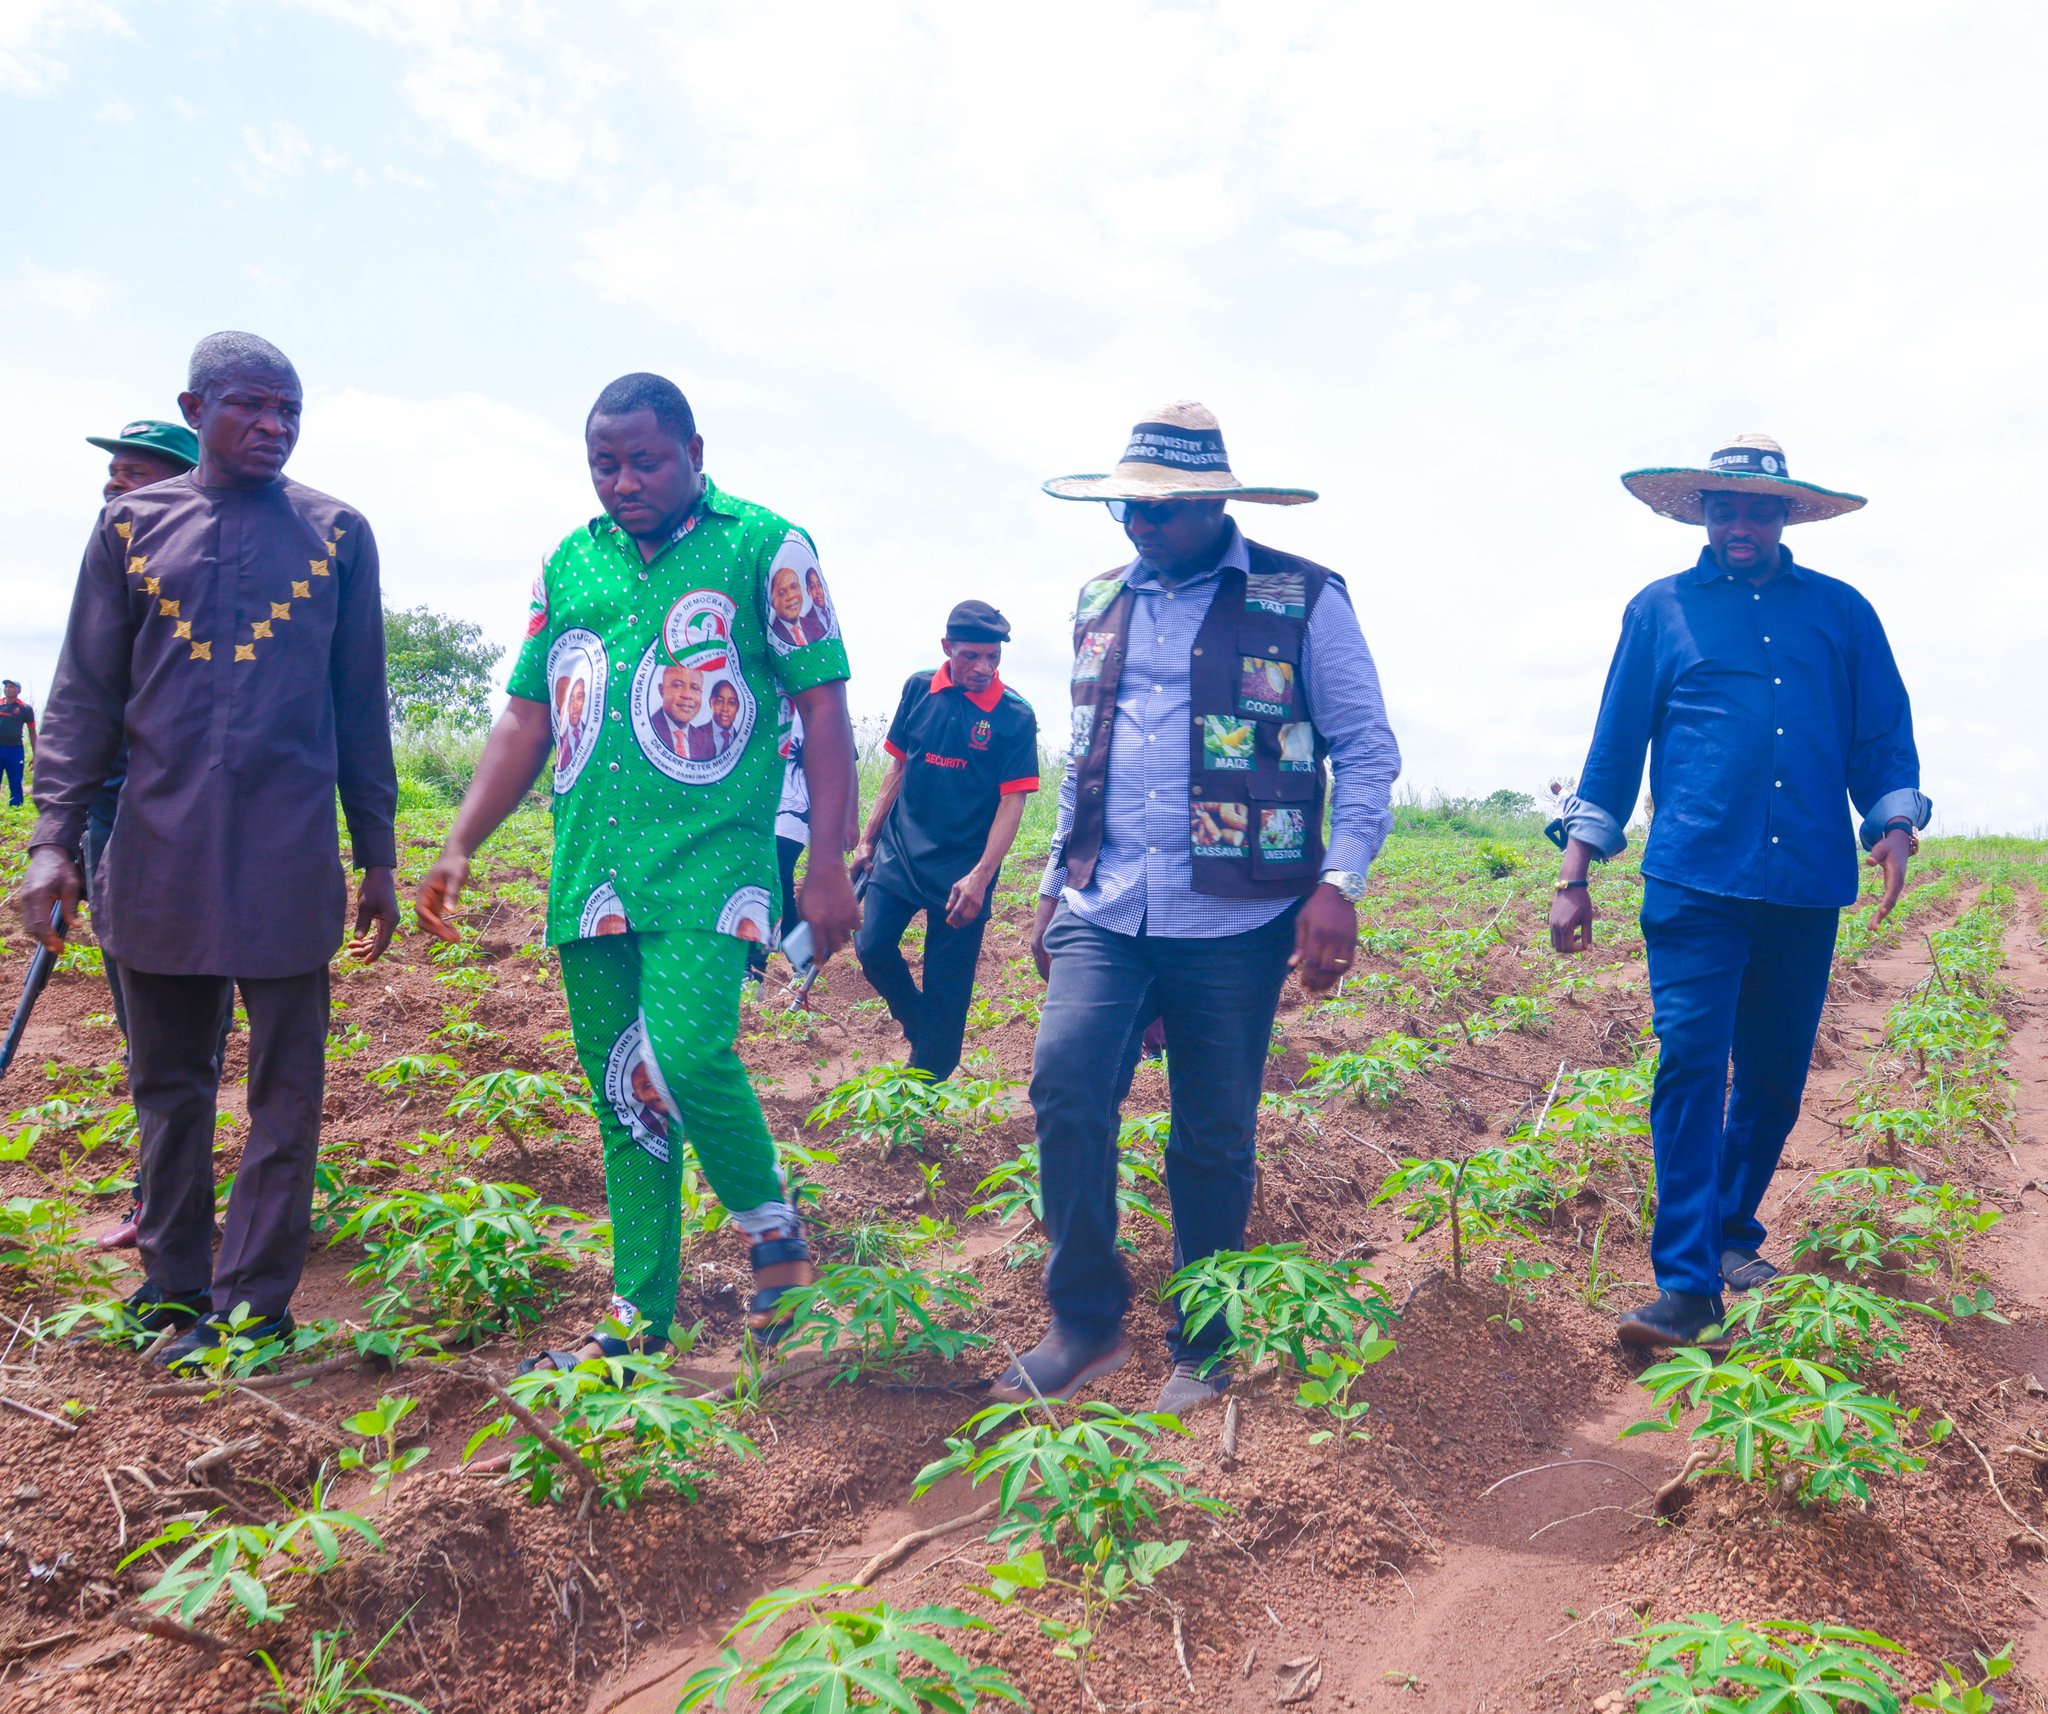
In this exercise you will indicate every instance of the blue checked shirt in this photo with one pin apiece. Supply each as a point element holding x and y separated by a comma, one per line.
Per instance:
<point>1144,876</point>
<point>1765,712</point>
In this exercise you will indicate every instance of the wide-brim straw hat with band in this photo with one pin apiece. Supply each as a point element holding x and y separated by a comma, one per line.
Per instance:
<point>1176,453</point>
<point>1748,464</point>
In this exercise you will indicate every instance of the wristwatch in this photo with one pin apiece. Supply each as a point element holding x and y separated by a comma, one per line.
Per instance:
<point>1347,881</point>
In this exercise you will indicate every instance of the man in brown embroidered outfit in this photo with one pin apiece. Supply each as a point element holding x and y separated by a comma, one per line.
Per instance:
<point>229,624</point>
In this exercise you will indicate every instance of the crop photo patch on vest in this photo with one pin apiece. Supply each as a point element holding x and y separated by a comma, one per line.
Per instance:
<point>1219,829</point>
<point>1283,835</point>
<point>1280,592</point>
<point>1297,748</point>
<point>1084,729</point>
<point>1228,743</point>
<point>1096,597</point>
<point>1265,688</point>
<point>1088,658</point>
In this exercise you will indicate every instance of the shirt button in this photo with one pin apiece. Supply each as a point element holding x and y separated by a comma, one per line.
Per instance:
<point>615,767</point>
<point>1767,639</point>
<point>1198,646</point>
<point>613,820</point>
<point>1158,639</point>
<point>643,577</point>
<point>1781,731</point>
<point>632,618</point>
<point>1780,784</point>
<point>1774,839</point>
<point>615,714</point>
<point>1153,849</point>
<point>1151,794</point>
<point>1777,681</point>
<point>1151,737</point>
<point>1753,597</point>
<point>613,873</point>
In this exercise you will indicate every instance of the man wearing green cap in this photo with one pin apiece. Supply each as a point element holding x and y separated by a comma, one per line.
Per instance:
<point>145,452</point>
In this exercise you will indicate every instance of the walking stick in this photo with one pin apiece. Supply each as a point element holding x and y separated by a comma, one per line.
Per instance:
<point>39,968</point>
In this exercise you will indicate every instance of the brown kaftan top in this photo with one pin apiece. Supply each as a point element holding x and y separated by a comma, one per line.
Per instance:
<point>236,638</point>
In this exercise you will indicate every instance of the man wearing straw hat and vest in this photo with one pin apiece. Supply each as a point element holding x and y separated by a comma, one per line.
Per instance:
<point>1768,700</point>
<point>1214,682</point>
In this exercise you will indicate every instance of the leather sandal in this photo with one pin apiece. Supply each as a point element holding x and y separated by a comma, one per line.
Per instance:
<point>608,1345</point>
<point>767,1321</point>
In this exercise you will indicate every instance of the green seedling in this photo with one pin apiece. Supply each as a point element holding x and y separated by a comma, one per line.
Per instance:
<point>1774,1664</point>
<point>881,1318</point>
<point>385,1460</point>
<point>335,1683</point>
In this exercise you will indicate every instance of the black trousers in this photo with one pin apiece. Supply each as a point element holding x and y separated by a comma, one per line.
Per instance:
<point>934,1017</point>
<point>174,1028</point>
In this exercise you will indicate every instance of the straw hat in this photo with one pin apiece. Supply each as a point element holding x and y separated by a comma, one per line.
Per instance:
<point>1748,464</point>
<point>1176,453</point>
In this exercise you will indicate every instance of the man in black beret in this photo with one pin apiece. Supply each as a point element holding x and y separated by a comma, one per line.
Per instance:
<point>963,756</point>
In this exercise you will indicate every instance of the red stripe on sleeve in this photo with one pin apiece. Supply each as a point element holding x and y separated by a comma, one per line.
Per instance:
<point>1030,785</point>
<point>891,748</point>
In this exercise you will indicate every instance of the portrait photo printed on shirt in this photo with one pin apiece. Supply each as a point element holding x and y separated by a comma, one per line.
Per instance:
<point>576,690</point>
<point>799,611</point>
<point>604,912</point>
<point>1089,657</point>
<point>1265,688</point>
<point>1284,593</point>
<point>634,1089</point>
<point>1096,597</point>
<point>1083,730</point>
<point>745,914</point>
<point>1219,829</point>
<point>1228,743</point>
<point>692,710</point>
<point>1283,835</point>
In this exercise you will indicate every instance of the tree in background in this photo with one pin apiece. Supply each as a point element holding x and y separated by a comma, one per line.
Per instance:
<point>440,669</point>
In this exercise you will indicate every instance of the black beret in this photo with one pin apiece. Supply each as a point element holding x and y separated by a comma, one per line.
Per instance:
<point>976,622</point>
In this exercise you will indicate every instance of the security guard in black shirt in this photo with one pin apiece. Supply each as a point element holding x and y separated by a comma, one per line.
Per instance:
<point>963,756</point>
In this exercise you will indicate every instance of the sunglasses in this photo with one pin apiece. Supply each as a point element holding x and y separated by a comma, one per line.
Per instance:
<point>1149,511</point>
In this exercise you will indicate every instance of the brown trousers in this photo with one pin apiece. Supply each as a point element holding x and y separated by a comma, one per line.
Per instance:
<point>174,1026</point>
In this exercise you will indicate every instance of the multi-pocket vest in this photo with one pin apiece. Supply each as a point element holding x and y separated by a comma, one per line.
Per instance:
<point>1256,779</point>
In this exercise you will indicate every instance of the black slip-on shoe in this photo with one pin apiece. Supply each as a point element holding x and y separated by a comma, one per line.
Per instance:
<point>211,1330</point>
<point>1061,1363</point>
<point>151,1309</point>
<point>1676,1318</point>
<point>1745,1270</point>
<point>1187,1388</point>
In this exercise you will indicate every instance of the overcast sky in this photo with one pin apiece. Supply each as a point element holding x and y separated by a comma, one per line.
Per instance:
<point>1457,267</point>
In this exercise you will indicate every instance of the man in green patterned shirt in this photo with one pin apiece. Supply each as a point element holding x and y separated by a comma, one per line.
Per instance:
<point>652,667</point>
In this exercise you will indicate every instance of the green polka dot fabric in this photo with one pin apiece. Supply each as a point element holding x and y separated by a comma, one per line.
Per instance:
<point>655,1016</point>
<point>662,680</point>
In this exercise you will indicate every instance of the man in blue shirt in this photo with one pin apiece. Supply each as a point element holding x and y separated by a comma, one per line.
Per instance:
<point>1217,687</point>
<point>1768,699</point>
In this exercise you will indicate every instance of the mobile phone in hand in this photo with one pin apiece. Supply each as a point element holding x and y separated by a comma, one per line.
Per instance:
<point>796,947</point>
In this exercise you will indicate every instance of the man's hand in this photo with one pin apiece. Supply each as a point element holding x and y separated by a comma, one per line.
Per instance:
<point>1571,920</point>
<point>438,895</point>
<point>862,859</point>
<point>1039,924</point>
<point>1325,939</point>
<point>963,902</point>
<point>52,878</point>
<point>1891,854</point>
<point>828,905</point>
<point>376,903</point>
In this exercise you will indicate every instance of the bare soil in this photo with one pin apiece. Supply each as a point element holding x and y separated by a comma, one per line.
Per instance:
<point>1482,1552</point>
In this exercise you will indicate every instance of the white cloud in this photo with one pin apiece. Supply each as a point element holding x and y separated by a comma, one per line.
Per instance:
<point>76,294</point>
<point>33,35</point>
<point>278,150</point>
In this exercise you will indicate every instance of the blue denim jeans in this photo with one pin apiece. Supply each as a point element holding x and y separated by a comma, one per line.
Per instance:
<point>13,759</point>
<point>1730,979</point>
<point>1217,998</point>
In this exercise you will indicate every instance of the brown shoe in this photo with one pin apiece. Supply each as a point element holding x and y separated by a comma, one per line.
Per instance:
<point>1062,1362</point>
<point>123,1236</point>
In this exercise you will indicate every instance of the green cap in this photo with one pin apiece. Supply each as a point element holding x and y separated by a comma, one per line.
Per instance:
<point>159,440</point>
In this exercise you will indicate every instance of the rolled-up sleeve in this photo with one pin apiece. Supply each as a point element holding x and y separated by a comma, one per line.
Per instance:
<point>1344,702</point>
<point>1613,775</point>
<point>364,773</point>
<point>1884,761</point>
<point>79,742</point>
